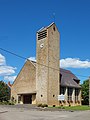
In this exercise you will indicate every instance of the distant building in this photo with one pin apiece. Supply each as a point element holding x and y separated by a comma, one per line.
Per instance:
<point>43,81</point>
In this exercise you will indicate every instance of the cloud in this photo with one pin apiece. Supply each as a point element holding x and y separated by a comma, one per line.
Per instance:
<point>32,59</point>
<point>4,68</point>
<point>2,60</point>
<point>74,63</point>
<point>7,70</point>
<point>70,62</point>
<point>10,78</point>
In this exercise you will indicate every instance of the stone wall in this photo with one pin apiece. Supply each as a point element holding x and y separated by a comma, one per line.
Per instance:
<point>54,67</point>
<point>47,79</point>
<point>25,82</point>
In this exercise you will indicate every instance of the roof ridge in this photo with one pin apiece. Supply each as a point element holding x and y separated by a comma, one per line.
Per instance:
<point>46,27</point>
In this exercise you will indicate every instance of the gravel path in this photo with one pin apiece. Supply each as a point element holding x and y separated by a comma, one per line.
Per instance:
<point>26,112</point>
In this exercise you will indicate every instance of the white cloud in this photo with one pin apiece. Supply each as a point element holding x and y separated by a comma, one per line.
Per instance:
<point>9,78</point>
<point>70,62</point>
<point>74,63</point>
<point>2,60</point>
<point>7,70</point>
<point>32,59</point>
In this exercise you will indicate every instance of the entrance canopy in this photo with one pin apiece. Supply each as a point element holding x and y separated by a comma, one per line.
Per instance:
<point>31,93</point>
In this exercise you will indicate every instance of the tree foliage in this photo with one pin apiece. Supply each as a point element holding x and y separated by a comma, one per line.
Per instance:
<point>85,92</point>
<point>4,92</point>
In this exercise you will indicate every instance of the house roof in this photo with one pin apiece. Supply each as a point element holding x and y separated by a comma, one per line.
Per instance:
<point>67,78</point>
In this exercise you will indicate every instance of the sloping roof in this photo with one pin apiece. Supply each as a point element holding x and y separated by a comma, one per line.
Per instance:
<point>43,28</point>
<point>67,78</point>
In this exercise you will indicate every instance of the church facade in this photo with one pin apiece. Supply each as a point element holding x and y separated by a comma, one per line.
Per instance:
<point>43,81</point>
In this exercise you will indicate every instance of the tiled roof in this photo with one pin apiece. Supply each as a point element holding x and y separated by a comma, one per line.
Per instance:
<point>68,79</point>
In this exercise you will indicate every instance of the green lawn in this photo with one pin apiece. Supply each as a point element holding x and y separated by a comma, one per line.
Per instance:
<point>83,107</point>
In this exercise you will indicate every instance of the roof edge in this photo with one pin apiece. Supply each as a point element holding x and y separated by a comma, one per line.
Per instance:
<point>42,28</point>
<point>31,62</point>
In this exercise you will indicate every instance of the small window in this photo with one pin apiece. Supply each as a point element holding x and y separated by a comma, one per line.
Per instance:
<point>41,95</point>
<point>53,95</point>
<point>54,28</point>
<point>53,105</point>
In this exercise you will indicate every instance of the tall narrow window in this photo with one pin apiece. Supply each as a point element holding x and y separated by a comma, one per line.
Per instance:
<point>62,90</point>
<point>70,90</point>
<point>76,94</point>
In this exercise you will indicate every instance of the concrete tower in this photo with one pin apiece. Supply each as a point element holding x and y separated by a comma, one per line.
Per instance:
<point>47,67</point>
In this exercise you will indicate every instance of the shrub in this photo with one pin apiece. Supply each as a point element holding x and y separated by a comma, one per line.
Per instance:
<point>7,103</point>
<point>78,102</point>
<point>39,105</point>
<point>64,101</point>
<point>69,105</point>
<point>11,103</point>
<point>42,105</point>
<point>71,101</point>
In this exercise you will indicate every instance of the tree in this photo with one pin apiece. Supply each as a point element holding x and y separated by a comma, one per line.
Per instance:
<point>4,92</point>
<point>85,92</point>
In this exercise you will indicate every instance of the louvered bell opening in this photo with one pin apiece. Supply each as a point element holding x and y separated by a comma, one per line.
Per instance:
<point>42,34</point>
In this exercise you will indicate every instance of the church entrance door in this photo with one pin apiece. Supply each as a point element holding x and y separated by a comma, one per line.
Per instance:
<point>27,99</point>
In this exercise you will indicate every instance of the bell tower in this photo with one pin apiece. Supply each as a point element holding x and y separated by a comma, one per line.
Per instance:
<point>47,67</point>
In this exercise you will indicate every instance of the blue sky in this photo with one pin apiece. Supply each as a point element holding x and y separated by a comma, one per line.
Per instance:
<point>19,21</point>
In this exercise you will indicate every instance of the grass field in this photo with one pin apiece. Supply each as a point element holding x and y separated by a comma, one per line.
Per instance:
<point>83,107</point>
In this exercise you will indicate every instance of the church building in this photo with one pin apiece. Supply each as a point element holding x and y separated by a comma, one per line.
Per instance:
<point>43,81</point>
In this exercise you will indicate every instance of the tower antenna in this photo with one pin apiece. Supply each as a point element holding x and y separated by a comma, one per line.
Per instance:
<point>54,17</point>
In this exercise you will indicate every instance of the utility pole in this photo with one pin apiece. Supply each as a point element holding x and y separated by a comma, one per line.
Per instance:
<point>89,91</point>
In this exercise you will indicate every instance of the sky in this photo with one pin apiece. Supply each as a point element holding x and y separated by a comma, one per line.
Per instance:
<point>21,19</point>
